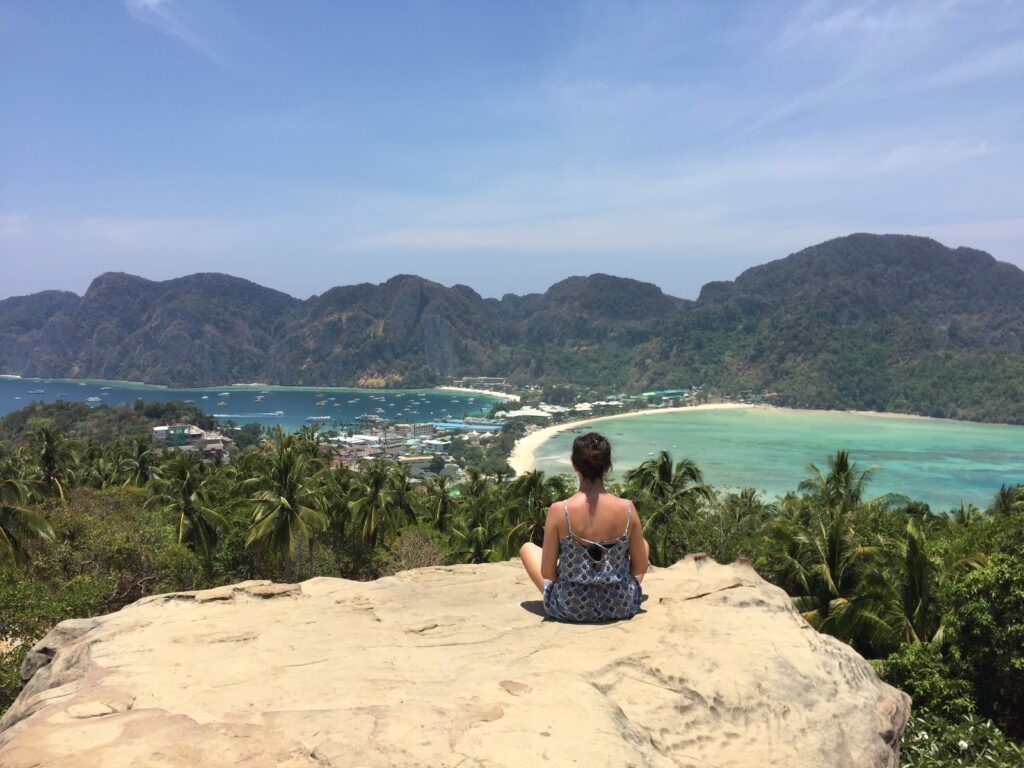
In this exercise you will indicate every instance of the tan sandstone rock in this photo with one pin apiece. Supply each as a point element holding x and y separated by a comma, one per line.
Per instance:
<point>452,667</point>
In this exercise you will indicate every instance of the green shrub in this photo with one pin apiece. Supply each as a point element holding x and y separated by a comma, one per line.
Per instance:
<point>920,670</point>
<point>932,741</point>
<point>986,628</point>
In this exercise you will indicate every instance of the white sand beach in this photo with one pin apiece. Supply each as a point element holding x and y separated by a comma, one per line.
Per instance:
<point>522,456</point>
<point>491,392</point>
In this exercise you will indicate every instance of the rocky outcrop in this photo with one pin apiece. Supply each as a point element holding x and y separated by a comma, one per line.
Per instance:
<point>452,666</point>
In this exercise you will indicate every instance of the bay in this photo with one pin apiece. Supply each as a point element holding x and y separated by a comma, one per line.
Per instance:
<point>289,407</point>
<point>939,462</point>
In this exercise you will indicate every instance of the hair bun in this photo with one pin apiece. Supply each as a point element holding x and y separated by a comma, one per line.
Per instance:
<point>592,455</point>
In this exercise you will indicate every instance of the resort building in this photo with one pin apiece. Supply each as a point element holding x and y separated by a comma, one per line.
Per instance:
<point>187,437</point>
<point>481,382</point>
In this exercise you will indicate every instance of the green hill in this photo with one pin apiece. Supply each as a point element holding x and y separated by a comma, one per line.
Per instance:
<point>883,322</point>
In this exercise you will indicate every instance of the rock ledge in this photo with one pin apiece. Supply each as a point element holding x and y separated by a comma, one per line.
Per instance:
<point>452,666</point>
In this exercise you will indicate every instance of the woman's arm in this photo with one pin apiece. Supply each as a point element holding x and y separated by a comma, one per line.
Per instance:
<point>549,557</point>
<point>639,558</point>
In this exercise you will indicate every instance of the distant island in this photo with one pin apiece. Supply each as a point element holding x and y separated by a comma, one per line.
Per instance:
<point>892,323</point>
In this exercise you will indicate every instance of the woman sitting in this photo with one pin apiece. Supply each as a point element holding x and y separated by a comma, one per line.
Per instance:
<point>594,554</point>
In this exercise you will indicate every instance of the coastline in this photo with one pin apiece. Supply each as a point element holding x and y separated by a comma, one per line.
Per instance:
<point>503,395</point>
<point>522,458</point>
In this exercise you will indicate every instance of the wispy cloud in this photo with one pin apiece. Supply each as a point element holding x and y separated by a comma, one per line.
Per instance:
<point>167,17</point>
<point>817,20</point>
<point>1002,61</point>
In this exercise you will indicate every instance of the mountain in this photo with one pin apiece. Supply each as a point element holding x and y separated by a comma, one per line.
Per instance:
<point>883,322</point>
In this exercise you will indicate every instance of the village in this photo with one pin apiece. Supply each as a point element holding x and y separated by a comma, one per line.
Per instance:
<point>444,447</point>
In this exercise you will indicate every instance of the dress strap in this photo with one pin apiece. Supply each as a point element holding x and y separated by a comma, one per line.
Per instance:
<point>566,505</point>
<point>629,518</point>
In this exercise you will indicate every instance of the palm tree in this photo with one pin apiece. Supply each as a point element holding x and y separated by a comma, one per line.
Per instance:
<point>528,498</point>
<point>1008,500</point>
<point>19,525</point>
<point>478,533</point>
<point>54,456</point>
<point>825,561</point>
<point>843,486</point>
<point>732,520</point>
<point>182,491</point>
<point>475,484</point>
<point>665,492</point>
<point>286,503</point>
<point>438,503</point>
<point>337,487</point>
<point>965,516</point>
<point>141,463</point>
<point>381,503</point>
<point>309,438</point>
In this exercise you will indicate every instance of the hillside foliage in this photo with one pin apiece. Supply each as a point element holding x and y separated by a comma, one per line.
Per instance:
<point>935,599</point>
<point>869,322</point>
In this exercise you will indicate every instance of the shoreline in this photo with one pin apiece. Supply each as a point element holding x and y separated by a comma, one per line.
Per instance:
<point>252,384</point>
<point>522,459</point>
<point>492,393</point>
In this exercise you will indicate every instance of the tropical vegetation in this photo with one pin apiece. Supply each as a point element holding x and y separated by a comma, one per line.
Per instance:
<point>935,598</point>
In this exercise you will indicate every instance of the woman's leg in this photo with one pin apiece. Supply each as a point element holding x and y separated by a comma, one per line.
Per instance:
<point>530,554</point>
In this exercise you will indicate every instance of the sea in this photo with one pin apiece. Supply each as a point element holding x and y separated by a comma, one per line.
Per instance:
<point>936,461</point>
<point>289,407</point>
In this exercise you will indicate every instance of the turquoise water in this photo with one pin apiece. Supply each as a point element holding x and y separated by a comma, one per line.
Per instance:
<point>936,461</point>
<point>290,407</point>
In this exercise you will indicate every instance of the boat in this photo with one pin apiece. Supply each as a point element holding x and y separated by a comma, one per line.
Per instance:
<point>36,391</point>
<point>17,397</point>
<point>321,403</point>
<point>94,399</point>
<point>223,394</point>
<point>258,398</point>
<point>62,394</point>
<point>81,383</point>
<point>354,401</point>
<point>190,401</point>
<point>277,413</point>
<point>318,418</point>
<point>205,397</point>
<point>105,389</point>
<point>221,403</point>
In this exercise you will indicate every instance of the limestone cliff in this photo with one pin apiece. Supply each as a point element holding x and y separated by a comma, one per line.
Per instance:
<point>452,667</point>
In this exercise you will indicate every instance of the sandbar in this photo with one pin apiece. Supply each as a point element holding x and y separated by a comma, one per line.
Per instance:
<point>522,457</point>
<point>491,392</point>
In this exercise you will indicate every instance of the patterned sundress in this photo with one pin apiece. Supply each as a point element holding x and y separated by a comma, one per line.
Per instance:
<point>594,582</point>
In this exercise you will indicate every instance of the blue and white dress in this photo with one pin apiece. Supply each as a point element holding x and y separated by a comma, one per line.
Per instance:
<point>594,582</point>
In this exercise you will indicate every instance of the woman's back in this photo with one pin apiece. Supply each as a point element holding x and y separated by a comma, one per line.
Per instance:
<point>594,552</point>
<point>594,579</point>
<point>600,519</point>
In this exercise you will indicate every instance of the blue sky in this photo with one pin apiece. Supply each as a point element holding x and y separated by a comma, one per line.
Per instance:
<point>500,145</point>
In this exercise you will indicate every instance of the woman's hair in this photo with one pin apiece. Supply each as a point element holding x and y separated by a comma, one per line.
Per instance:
<point>592,455</point>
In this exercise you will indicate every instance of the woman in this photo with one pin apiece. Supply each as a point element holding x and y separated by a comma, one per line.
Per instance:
<point>594,554</point>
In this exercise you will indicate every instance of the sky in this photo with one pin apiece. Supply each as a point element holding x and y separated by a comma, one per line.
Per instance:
<point>504,146</point>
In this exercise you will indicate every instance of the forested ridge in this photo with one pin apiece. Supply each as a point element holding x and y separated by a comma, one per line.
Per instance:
<point>934,598</point>
<point>872,322</point>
